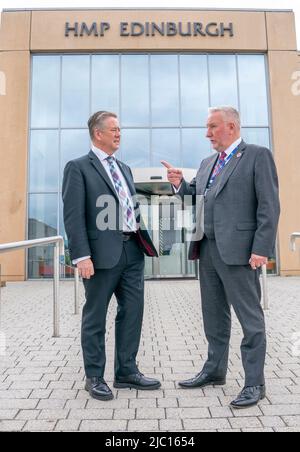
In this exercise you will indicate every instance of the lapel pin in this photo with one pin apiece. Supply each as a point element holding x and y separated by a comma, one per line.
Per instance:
<point>238,155</point>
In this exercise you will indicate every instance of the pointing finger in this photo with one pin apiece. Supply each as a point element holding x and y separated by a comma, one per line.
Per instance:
<point>166,164</point>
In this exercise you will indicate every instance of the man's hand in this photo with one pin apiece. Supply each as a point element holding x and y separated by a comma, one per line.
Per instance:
<point>175,175</point>
<point>86,269</point>
<point>257,261</point>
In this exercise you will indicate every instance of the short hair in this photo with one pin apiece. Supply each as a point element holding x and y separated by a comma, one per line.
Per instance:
<point>229,113</point>
<point>98,119</point>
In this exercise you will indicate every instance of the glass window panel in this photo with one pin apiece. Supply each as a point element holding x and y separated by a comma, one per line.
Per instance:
<point>42,219</point>
<point>74,144</point>
<point>45,91</point>
<point>105,83</point>
<point>257,136</point>
<point>75,90</point>
<point>43,161</point>
<point>135,145</point>
<point>253,90</point>
<point>164,90</point>
<point>223,80</point>
<point>135,91</point>
<point>40,262</point>
<point>166,146</point>
<point>195,147</point>
<point>194,90</point>
<point>42,222</point>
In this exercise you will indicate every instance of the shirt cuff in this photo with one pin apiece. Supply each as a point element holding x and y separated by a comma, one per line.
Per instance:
<point>76,261</point>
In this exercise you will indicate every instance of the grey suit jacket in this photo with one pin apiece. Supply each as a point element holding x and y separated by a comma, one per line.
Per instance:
<point>246,206</point>
<point>85,179</point>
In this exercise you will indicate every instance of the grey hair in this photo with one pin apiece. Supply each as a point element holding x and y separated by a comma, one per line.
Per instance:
<point>229,114</point>
<point>98,119</point>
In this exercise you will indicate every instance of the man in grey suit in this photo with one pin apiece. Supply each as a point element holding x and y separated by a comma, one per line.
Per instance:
<point>238,190</point>
<point>107,243</point>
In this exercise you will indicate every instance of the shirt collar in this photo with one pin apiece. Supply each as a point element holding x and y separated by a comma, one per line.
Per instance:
<point>100,154</point>
<point>233,146</point>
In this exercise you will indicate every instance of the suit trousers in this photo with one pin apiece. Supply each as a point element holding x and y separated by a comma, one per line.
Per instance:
<point>223,286</point>
<point>126,281</point>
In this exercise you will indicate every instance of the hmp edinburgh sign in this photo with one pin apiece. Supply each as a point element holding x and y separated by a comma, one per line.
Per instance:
<point>151,29</point>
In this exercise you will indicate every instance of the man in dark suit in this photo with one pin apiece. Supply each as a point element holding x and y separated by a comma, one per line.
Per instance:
<point>238,213</point>
<point>107,243</point>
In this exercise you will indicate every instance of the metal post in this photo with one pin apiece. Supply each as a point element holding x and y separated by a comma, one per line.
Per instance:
<point>265,287</point>
<point>56,306</point>
<point>294,236</point>
<point>76,276</point>
<point>0,296</point>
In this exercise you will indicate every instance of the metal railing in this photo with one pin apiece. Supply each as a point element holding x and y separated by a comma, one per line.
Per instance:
<point>59,250</point>
<point>265,287</point>
<point>76,287</point>
<point>294,237</point>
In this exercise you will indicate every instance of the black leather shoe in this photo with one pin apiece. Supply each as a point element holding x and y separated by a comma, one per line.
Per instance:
<point>201,380</point>
<point>98,389</point>
<point>137,381</point>
<point>250,396</point>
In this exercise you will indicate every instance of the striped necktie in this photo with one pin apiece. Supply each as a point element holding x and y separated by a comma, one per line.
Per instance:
<point>123,196</point>
<point>217,169</point>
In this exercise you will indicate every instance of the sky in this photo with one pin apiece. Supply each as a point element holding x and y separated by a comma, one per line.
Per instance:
<point>251,4</point>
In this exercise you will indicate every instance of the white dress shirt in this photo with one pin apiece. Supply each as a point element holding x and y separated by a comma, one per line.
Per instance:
<point>102,156</point>
<point>233,146</point>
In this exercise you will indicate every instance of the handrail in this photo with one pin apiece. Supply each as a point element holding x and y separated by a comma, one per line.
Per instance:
<point>59,249</point>
<point>265,287</point>
<point>76,288</point>
<point>293,238</point>
<point>13,246</point>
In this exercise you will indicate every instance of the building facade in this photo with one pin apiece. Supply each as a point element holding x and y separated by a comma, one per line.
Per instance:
<point>159,70</point>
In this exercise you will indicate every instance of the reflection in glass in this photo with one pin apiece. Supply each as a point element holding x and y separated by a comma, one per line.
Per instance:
<point>75,90</point>
<point>223,80</point>
<point>135,145</point>
<point>74,144</point>
<point>194,90</point>
<point>179,85</point>
<point>195,147</point>
<point>256,136</point>
<point>105,83</point>
<point>42,215</point>
<point>253,90</point>
<point>166,146</point>
<point>43,160</point>
<point>164,90</point>
<point>45,91</point>
<point>135,91</point>
<point>42,222</point>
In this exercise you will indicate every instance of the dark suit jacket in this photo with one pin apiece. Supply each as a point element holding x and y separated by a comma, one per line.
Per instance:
<point>85,179</point>
<point>246,206</point>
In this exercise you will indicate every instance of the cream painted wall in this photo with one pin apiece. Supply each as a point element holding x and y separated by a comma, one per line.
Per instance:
<point>286,137</point>
<point>13,158</point>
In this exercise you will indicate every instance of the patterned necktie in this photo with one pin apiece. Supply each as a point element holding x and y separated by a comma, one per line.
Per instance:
<point>220,164</point>
<point>217,169</point>
<point>123,196</point>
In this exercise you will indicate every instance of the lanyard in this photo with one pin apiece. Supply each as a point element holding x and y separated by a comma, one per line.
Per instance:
<point>220,166</point>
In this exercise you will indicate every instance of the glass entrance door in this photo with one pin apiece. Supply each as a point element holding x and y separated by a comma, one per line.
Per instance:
<point>170,242</point>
